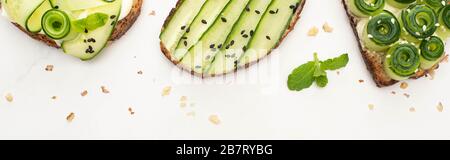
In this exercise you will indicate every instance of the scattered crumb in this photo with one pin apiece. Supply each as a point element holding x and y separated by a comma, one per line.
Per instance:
<point>152,13</point>
<point>432,73</point>
<point>313,32</point>
<point>445,59</point>
<point>440,107</point>
<point>327,28</point>
<point>104,90</point>
<point>214,119</point>
<point>70,117</point>
<point>183,99</point>
<point>406,95</point>
<point>371,107</point>
<point>131,111</point>
<point>140,72</point>
<point>49,68</point>
<point>412,109</point>
<point>338,73</point>
<point>84,93</point>
<point>166,91</point>
<point>190,114</point>
<point>54,97</point>
<point>9,97</point>
<point>361,81</point>
<point>404,85</point>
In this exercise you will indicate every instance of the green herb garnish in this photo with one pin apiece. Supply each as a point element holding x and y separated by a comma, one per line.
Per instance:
<point>91,22</point>
<point>314,71</point>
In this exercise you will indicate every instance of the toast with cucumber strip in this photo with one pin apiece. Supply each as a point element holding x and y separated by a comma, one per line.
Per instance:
<point>216,37</point>
<point>81,28</point>
<point>400,39</point>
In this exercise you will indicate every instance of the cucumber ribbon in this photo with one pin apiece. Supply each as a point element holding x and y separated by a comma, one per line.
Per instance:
<point>381,31</point>
<point>56,24</point>
<point>400,3</point>
<point>419,21</point>
<point>364,8</point>
<point>402,61</point>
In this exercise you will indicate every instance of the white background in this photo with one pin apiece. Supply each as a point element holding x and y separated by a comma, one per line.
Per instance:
<point>248,109</point>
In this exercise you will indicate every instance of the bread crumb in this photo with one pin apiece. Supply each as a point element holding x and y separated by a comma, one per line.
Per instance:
<point>327,28</point>
<point>393,92</point>
<point>412,109</point>
<point>313,32</point>
<point>440,107</point>
<point>406,95</point>
<point>49,68</point>
<point>183,99</point>
<point>9,97</point>
<point>432,74</point>
<point>166,91</point>
<point>84,93</point>
<point>140,72</point>
<point>361,81</point>
<point>70,117</point>
<point>104,90</point>
<point>214,119</point>
<point>152,13</point>
<point>404,85</point>
<point>338,73</point>
<point>131,111</point>
<point>371,107</point>
<point>54,97</point>
<point>446,57</point>
<point>190,114</point>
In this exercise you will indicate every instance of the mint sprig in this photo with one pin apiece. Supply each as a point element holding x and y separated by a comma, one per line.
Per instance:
<point>315,71</point>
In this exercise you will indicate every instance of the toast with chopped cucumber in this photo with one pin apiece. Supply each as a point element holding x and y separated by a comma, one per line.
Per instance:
<point>215,37</point>
<point>80,28</point>
<point>400,39</point>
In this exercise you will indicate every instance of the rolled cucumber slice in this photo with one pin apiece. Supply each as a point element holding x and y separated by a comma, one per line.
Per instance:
<point>204,20</point>
<point>225,61</point>
<point>34,22</point>
<point>88,44</point>
<point>74,5</point>
<point>19,11</point>
<point>180,22</point>
<point>270,30</point>
<point>213,40</point>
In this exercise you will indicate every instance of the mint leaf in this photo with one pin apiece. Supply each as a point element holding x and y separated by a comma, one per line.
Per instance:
<point>322,81</point>
<point>91,22</point>
<point>302,77</point>
<point>335,63</point>
<point>318,71</point>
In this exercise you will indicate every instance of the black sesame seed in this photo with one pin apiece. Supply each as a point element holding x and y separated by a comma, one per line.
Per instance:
<point>86,31</point>
<point>257,12</point>
<point>268,37</point>
<point>113,16</point>
<point>251,33</point>
<point>113,23</point>
<point>232,43</point>
<point>227,47</point>
<point>292,7</point>
<point>212,46</point>
<point>219,46</point>
<point>272,12</point>
<point>224,19</point>
<point>204,21</point>
<point>242,32</point>
<point>184,38</point>
<point>244,48</point>
<point>185,43</point>
<point>56,7</point>
<point>245,36</point>
<point>183,27</point>
<point>188,30</point>
<point>247,9</point>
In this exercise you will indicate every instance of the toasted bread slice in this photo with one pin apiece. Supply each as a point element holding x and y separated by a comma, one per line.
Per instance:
<point>168,55</point>
<point>121,28</point>
<point>374,62</point>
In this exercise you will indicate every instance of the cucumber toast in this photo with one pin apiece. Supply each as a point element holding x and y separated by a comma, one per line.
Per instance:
<point>400,39</point>
<point>80,28</point>
<point>216,37</point>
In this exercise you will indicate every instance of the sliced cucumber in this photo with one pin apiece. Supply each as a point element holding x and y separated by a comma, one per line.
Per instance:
<point>19,11</point>
<point>225,61</point>
<point>87,45</point>
<point>74,5</point>
<point>180,21</point>
<point>366,8</point>
<point>34,24</point>
<point>400,3</point>
<point>57,25</point>
<point>213,40</point>
<point>208,14</point>
<point>270,30</point>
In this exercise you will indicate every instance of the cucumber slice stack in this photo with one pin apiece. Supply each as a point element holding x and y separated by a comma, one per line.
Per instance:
<point>216,37</point>
<point>83,27</point>
<point>409,34</point>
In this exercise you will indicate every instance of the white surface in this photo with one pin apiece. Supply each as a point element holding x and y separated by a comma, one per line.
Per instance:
<point>248,109</point>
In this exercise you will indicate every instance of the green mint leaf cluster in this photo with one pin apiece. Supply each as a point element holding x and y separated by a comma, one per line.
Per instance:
<point>91,22</point>
<point>315,71</point>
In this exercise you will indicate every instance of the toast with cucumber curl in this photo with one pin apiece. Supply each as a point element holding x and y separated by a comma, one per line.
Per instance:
<point>80,28</point>
<point>216,37</point>
<point>400,39</point>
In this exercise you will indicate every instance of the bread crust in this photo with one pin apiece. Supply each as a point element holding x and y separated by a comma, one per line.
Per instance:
<point>374,62</point>
<point>167,54</point>
<point>121,27</point>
